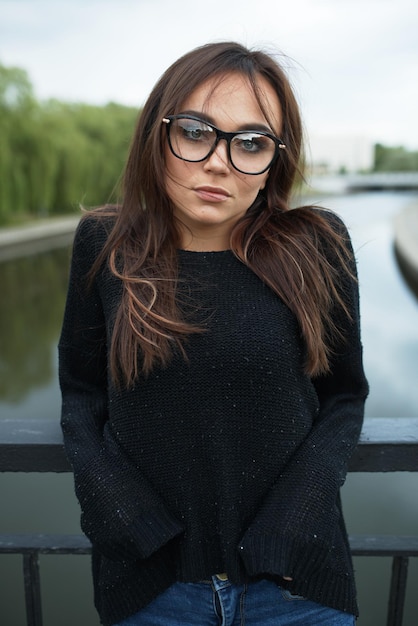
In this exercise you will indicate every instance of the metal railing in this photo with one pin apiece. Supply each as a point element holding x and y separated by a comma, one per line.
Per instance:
<point>386,445</point>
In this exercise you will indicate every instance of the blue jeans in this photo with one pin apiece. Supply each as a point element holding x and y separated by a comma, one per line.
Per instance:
<point>221,603</point>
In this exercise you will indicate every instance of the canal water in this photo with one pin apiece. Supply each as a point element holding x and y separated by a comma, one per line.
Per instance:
<point>31,305</point>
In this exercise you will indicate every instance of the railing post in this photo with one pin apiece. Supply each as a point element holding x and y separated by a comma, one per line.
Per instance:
<point>32,589</point>
<point>397,590</point>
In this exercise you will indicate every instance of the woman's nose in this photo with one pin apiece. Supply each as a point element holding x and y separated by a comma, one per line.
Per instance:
<point>219,159</point>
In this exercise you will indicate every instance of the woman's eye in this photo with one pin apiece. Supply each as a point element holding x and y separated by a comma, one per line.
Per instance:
<point>248,144</point>
<point>251,143</point>
<point>196,133</point>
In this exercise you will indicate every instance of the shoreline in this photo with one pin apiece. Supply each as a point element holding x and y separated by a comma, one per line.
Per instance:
<point>18,241</point>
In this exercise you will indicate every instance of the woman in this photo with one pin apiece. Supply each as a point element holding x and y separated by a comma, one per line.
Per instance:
<point>210,365</point>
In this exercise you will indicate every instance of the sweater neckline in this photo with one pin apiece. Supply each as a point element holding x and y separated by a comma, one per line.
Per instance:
<point>184,252</point>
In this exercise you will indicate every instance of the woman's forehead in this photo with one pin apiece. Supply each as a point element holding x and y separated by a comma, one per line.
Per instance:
<point>232,97</point>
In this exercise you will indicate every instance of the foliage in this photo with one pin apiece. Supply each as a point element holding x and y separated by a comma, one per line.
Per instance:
<point>55,156</point>
<point>394,159</point>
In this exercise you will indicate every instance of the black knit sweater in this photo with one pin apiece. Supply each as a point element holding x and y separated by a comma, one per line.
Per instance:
<point>230,461</point>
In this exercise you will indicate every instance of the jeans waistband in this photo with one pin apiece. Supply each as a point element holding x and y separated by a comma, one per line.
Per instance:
<point>222,577</point>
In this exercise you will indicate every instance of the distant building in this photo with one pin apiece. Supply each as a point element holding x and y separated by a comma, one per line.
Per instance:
<point>339,153</point>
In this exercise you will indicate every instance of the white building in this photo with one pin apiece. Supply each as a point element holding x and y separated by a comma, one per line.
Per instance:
<point>335,153</point>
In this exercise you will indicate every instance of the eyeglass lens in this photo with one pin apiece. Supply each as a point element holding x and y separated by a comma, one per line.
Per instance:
<point>249,151</point>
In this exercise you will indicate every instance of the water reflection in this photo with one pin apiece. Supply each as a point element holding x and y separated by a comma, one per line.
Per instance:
<point>389,309</point>
<point>390,329</point>
<point>33,295</point>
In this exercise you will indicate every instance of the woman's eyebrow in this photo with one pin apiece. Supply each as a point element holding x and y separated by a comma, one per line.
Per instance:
<point>207,118</point>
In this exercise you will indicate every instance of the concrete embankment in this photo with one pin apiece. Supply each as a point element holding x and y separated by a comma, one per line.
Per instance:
<point>39,237</point>
<point>406,242</point>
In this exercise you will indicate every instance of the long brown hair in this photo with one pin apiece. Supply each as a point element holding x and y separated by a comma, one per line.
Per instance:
<point>282,246</point>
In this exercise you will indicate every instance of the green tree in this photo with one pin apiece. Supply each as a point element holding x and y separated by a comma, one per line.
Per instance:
<point>16,107</point>
<point>55,156</point>
<point>15,89</point>
<point>394,159</point>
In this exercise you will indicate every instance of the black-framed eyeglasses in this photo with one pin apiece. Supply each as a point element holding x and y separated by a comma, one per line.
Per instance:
<point>249,151</point>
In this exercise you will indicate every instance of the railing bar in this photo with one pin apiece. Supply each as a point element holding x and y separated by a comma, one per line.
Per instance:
<point>397,590</point>
<point>36,445</point>
<point>380,545</point>
<point>32,589</point>
<point>361,545</point>
<point>49,544</point>
<point>78,544</point>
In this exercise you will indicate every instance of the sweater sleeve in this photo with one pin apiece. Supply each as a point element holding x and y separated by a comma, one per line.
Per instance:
<point>294,530</point>
<point>121,513</point>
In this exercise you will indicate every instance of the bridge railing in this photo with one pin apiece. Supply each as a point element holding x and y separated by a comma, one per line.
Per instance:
<point>386,445</point>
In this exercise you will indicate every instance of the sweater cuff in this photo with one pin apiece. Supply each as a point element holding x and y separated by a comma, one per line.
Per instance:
<point>137,540</point>
<point>279,555</point>
<point>154,530</point>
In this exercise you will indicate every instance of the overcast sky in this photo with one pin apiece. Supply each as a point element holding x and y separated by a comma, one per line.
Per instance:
<point>354,63</point>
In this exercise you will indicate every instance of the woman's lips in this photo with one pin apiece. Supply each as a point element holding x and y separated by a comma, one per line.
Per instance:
<point>212,194</point>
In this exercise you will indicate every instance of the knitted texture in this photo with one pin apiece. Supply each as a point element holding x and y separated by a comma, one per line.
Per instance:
<point>229,461</point>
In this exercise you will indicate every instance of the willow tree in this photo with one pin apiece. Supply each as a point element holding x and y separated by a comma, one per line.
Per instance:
<point>55,156</point>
